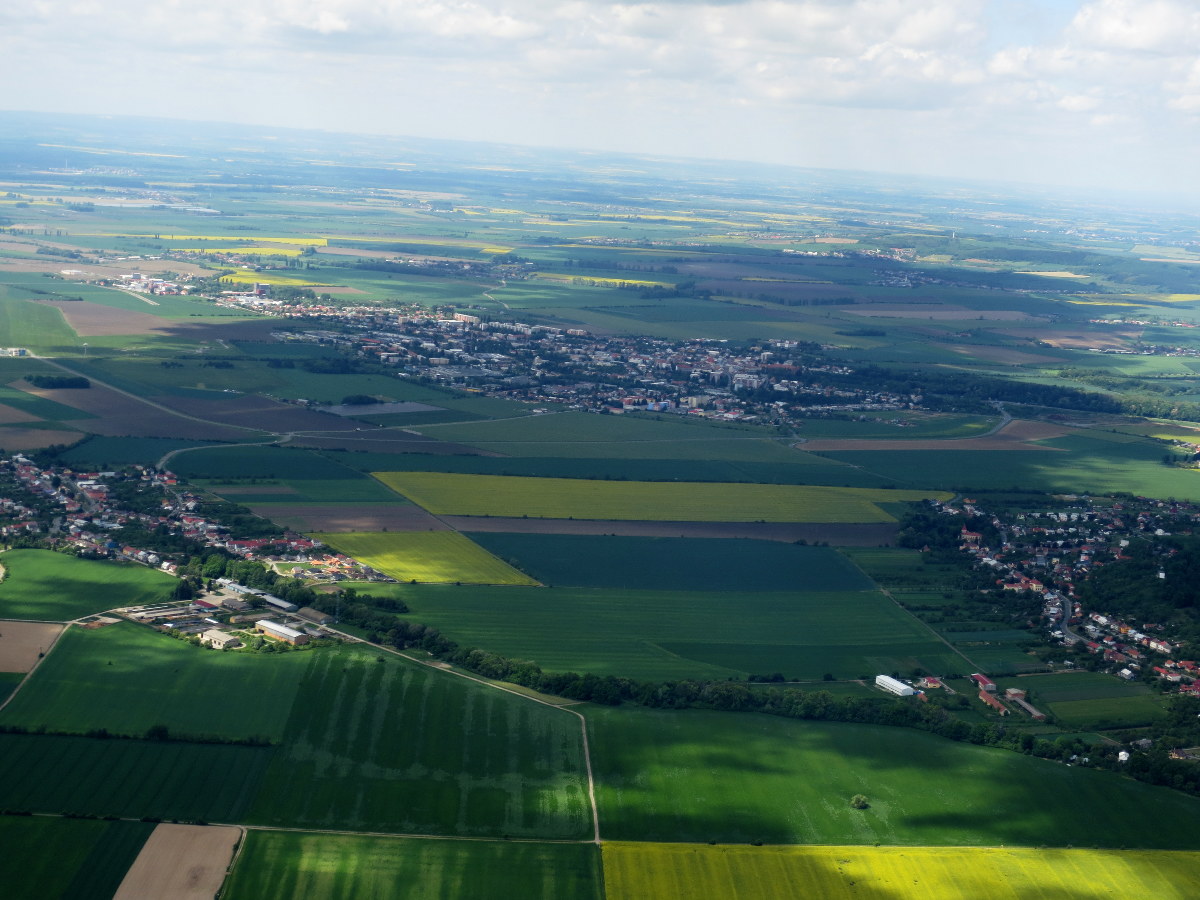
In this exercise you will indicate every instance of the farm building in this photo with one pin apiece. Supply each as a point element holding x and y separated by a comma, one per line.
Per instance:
<point>993,702</point>
<point>313,615</point>
<point>1034,713</point>
<point>893,686</point>
<point>282,632</point>
<point>984,683</point>
<point>219,640</point>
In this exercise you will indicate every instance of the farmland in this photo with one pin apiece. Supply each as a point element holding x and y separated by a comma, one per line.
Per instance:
<point>426,556</point>
<point>40,584</point>
<point>562,498</point>
<point>280,866</point>
<point>654,563</point>
<point>685,634</point>
<point>126,678</point>
<point>700,776</point>
<point>382,744</point>
<point>643,871</point>
<point>1085,700</point>
<point>52,857</point>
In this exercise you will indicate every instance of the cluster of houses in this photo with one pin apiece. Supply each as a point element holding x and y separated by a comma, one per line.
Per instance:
<point>1048,553</point>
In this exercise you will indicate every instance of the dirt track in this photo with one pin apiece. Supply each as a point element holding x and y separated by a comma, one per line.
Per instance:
<point>180,862</point>
<point>21,642</point>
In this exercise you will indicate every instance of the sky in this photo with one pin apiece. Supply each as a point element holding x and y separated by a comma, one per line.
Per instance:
<point>1078,93</point>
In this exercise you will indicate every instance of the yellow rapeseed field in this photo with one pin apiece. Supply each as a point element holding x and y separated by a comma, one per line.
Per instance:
<point>652,871</point>
<point>245,276</point>
<point>439,557</point>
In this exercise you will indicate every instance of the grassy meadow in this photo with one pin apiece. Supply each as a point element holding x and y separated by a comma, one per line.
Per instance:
<point>280,866</point>
<point>564,498</point>
<point>701,776</point>
<point>426,556</point>
<point>635,871</point>
<point>126,678</point>
<point>42,584</point>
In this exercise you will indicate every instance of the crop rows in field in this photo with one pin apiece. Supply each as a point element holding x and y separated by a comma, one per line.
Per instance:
<point>77,858</point>
<point>563,498</point>
<point>898,873</point>
<point>426,556</point>
<point>379,744</point>
<point>281,866</point>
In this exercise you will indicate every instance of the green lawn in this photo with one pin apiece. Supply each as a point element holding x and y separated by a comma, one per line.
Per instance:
<point>737,778</point>
<point>126,678</point>
<point>42,584</point>
<point>281,866</point>
<point>684,634</point>
<point>376,743</point>
<point>72,859</point>
<point>657,563</point>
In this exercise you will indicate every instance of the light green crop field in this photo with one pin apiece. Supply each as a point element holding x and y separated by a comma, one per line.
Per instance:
<point>281,866</point>
<point>1110,712</point>
<point>426,556</point>
<point>646,871</point>
<point>445,493</point>
<point>702,776</point>
<point>126,678</point>
<point>67,858</point>
<point>685,633</point>
<point>379,743</point>
<point>42,584</point>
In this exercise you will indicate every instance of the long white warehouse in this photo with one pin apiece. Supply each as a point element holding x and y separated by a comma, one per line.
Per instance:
<point>892,686</point>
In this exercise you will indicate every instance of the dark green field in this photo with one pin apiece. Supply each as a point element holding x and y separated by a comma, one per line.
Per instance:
<point>113,452</point>
<point>701,776</point>
<point>382,744</point>
<point>72,859</point>
<point>210,782</point>
<point>682,564</point>
<point>41,584</point>
<point>281,866</point>
<point>126,678</point>
<point>684,634</point>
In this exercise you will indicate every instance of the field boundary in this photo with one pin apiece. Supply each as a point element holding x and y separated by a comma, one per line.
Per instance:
<point>41,659</point>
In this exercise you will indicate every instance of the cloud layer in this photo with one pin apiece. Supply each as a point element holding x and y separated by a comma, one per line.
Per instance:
<point>1054,90</point>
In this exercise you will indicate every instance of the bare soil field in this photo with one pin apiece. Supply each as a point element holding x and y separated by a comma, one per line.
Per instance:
<point>835,240</point>
<point>1014,436</point>
<point>10,415</point>
<point>181,862</point>
<point>837,534</point>
<point>35,438</point>
<point>349,517</point>
<point>21,642</point>
<point>257,412</point>
<point>92,319</point>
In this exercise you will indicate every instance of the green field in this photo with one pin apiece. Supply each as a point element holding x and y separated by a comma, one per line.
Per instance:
<point>701,776</point>
<point>376,743</point>
<point>108,777</point>
<point>42,584</point>
<point>126,678</point>
<point>654,563</point>
<point>636,871</point>
<point>72,859</point>
<point>563,498</point>
<point>106,453</point>
<point>281,866</point>
<point>684,634</point>
<point>1109,712</point>
<point>426,556</point>
<point>1087,701</point>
